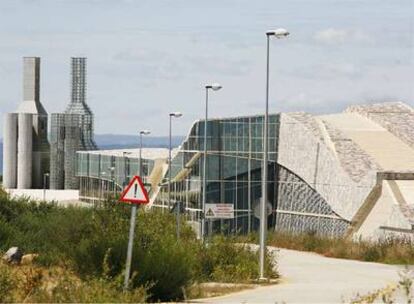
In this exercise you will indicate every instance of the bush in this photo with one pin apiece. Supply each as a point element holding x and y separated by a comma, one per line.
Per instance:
<point>93,242</point>
<point>224,261</point>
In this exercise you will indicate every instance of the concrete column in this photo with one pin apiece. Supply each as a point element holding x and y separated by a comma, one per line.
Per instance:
<point>24,151</point>
<point>10,151</point>
<point>31,78</point>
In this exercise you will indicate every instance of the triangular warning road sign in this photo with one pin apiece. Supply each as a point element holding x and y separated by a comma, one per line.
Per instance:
<point>210,212</point>
<point>135,192</point>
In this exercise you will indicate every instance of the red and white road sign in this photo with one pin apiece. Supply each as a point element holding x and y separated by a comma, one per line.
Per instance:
<point>135,192</point>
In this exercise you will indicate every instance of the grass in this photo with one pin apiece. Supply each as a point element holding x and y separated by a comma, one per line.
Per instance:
<point>206,290</point>
<point>88,246</point>
<point>389,251</point>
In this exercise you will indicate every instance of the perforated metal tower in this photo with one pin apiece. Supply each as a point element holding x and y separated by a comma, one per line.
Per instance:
<point>71,131</point>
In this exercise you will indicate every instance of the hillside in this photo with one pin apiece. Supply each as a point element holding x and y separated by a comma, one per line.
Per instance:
<point>114,141</point>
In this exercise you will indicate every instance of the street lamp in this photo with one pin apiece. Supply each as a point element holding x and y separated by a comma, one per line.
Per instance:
<point>177,213</point>
<point>278,33</point>
<point>112,170</point>
<point>133,218</point>
<point>214,87</point>
<point>124,154</point>
<point>103,174</point>
<point>45,176</point>
<point>142,132</point>
<point>172,115</point>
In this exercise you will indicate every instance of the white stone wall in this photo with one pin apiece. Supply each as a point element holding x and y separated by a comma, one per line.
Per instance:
<point>298,148</point>
<point>386,212</point>
<point>396,117</point>
<point>51,195</point>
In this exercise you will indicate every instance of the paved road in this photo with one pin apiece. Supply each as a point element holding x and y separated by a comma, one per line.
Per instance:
<point>311,278</point>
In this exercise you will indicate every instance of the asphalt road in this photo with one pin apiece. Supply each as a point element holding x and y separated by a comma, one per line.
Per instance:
<point>311,278</point>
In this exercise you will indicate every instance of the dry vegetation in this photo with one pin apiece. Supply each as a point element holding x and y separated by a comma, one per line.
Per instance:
<point>396,293</point>
<point>390,251</point>
<point>207,290</point>
<point>37,284</point>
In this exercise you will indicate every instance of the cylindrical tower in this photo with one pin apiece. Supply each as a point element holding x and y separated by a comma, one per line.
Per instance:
<point>24,150</point>
<point>10,151</point>
<point>31,176</point>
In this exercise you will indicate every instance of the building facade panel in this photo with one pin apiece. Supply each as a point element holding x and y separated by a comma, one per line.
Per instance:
<point>10,151</point>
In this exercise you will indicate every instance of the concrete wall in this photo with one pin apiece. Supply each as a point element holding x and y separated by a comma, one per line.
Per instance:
<point>10,150</point>
<point>386,212</point>
<point>41,150</point>
<point>31,78</point>
<point>51,195</point>
<point>24,151</point>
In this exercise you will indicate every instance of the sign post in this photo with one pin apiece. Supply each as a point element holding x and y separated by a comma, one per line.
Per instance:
<point>134,194</point>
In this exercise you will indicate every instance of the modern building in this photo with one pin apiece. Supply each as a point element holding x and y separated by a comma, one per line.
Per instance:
<point>106,172</point>
<point>71,131</point>
<point>349,174</point>
<point>25,144</point>
<point>345,175</point>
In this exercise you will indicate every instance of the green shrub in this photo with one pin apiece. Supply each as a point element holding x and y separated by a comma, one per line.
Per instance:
<point>224,261</point>
<point>93,241</point>
<point>82,238</point>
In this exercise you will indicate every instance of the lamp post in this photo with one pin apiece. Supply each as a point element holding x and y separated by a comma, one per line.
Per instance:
<point>279,33</point>
<point>214,87</point>
<point>177,213</point>
<point>103,174</point>
<point>45,176</point>
<point>133,218</point>
<point>124,154</point>
<point>112,170</point>
<point>143,132</point>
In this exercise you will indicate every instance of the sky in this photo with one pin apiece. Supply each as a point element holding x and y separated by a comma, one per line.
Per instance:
<point>147,58</point>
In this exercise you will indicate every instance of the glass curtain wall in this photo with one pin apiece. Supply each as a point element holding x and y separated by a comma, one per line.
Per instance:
<point>233,175</point>
<point>103,175</point>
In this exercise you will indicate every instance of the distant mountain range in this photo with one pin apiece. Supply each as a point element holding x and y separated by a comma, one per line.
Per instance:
<point>113,141</point>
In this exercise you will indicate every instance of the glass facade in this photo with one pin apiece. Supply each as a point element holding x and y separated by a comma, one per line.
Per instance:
<point>234,176</point>
<point>101,175</point>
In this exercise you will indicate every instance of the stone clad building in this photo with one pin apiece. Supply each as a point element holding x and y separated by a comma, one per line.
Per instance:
<point>349,174</point>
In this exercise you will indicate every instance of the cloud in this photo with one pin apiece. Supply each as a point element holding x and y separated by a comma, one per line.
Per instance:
<point>139,55</point>
<point>340,36</point>
<point>328,71</point>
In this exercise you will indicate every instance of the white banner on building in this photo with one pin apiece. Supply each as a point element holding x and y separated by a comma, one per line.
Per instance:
<point>219,211</point>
